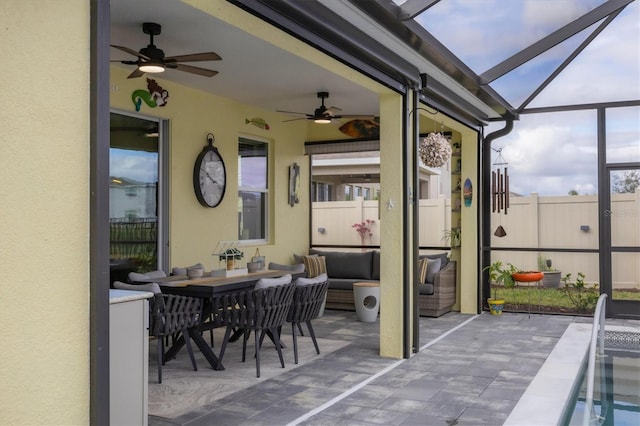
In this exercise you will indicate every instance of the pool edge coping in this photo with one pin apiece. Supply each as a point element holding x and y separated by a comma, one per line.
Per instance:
<point>546,398</point>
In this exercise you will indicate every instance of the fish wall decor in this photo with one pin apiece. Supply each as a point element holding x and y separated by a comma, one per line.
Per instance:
<point>258,122</point>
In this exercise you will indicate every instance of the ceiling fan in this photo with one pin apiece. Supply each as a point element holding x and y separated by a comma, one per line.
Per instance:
<point>152,60</point>
<point>322,114</point>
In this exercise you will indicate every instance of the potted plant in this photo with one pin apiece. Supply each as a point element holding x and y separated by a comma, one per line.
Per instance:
<point>499,274</point>
<point>507,275</point>
<point>230,256</point>
<point>551,275</point>
<point>453,236</point>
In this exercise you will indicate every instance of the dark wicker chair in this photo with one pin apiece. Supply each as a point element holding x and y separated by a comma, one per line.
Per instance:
<point>261,310</point>
<point>169,315</point>
<point>307,300</point>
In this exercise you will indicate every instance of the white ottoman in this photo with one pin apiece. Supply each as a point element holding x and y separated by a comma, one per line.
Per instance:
<point>366,296</point>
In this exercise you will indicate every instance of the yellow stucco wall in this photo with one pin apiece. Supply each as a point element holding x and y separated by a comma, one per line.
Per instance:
<point>466,256</point>
<point>391,214</point>
<point>195,230</point>
<point>44,212</point>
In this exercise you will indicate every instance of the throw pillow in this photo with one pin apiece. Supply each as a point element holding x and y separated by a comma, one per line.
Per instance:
<point>297,258</point>
<point>315,265</point>
<point>433,266</point>
<point>444,258</point>
<point>422,270</point>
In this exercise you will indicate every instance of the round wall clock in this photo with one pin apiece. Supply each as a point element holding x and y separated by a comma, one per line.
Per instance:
<point>209,175</point>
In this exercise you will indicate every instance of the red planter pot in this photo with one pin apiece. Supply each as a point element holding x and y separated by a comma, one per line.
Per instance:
<point>527,277</point>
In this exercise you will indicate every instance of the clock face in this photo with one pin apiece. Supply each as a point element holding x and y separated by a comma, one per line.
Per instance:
<point>209,178</point>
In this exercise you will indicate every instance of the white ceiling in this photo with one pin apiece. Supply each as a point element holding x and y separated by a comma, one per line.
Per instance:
<point>251,71</point>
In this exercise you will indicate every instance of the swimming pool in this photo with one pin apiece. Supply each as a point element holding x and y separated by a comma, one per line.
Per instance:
<point>553,393</point>
<point>617,384</point>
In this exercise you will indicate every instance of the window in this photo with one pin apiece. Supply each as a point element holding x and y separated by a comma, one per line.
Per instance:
<point>252,189</point>
<point>137,191</point>
<point>321,191</point>
<point>348,193</point>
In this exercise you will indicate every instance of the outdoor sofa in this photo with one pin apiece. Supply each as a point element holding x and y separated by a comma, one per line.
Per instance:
<point>437,293</point>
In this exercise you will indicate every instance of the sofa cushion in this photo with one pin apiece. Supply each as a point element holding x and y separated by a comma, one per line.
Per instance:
<point>375,273</point>
<point>315,265</point>
<point>341,283</point>
<point>297,258</point>
<point>426,289</point>
<point>347,264</point>
<point>433,266</point>
<point>444,258</point>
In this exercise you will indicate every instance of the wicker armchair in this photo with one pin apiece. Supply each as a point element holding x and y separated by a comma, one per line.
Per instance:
<point>307,300</point>
<point>169,315</point>
<point>262,310</point>
<point>444,293</point>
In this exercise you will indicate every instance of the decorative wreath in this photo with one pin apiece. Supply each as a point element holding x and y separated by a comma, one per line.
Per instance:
<point>434,150</point>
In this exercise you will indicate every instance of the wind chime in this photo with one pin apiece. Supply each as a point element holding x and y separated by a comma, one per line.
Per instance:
<point>500,190</point>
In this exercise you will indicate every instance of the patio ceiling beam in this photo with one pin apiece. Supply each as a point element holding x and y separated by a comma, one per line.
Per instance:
<point>412,8</point>
<point>429,55</point>
<point>553,39</point>
<point>313,23</point>
<point>567,61</point>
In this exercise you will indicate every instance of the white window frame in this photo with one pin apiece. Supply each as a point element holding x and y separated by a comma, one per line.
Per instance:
<point>265,191</point>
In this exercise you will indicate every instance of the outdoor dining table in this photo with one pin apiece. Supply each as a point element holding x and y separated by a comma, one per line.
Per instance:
<point>210,289</point>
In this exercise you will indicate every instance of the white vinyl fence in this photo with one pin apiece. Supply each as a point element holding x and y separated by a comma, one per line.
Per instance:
<point>567,222</point>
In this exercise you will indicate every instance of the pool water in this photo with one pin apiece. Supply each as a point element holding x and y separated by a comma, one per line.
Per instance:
<point>617,386</point>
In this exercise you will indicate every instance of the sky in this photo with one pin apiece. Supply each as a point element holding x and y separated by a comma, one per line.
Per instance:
<point>550,154</point>
<point>139,166</point>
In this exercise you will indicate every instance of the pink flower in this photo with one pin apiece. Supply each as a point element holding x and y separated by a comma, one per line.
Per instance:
<point>364,228</point>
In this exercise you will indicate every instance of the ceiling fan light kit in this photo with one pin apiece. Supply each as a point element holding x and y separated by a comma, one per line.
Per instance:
<point>152,60</point>
<point>322,114</point>
<point>151,67</point>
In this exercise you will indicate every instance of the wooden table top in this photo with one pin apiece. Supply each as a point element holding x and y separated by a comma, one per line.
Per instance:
<point>183,280</point>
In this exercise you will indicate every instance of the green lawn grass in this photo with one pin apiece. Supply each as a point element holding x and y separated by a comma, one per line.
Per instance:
<point>548,297</point>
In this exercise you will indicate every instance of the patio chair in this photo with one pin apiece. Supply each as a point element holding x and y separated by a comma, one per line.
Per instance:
<point>296,268</point>
<point>307,300</point>
<point>261,310</point>
<point>169,315</point>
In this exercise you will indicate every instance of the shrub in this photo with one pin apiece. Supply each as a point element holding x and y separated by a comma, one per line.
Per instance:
<point>583,296</point>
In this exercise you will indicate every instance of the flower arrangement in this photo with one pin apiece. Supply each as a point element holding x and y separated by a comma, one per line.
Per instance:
<point>364,229</point>
<point>434,150</point>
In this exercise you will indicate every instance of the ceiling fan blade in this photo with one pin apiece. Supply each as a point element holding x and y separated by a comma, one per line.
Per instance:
<point>332,110</point>
<point>194,57</point>
<point>193,70</point>
<point>355,116</point>
<point>130,51</point>
<point>136,73</point>
<point>295,112</point>
<point>296,119</point>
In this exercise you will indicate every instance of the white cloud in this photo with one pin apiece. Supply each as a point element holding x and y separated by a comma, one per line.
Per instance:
<point>551,154</point>
<point>135,165</point>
